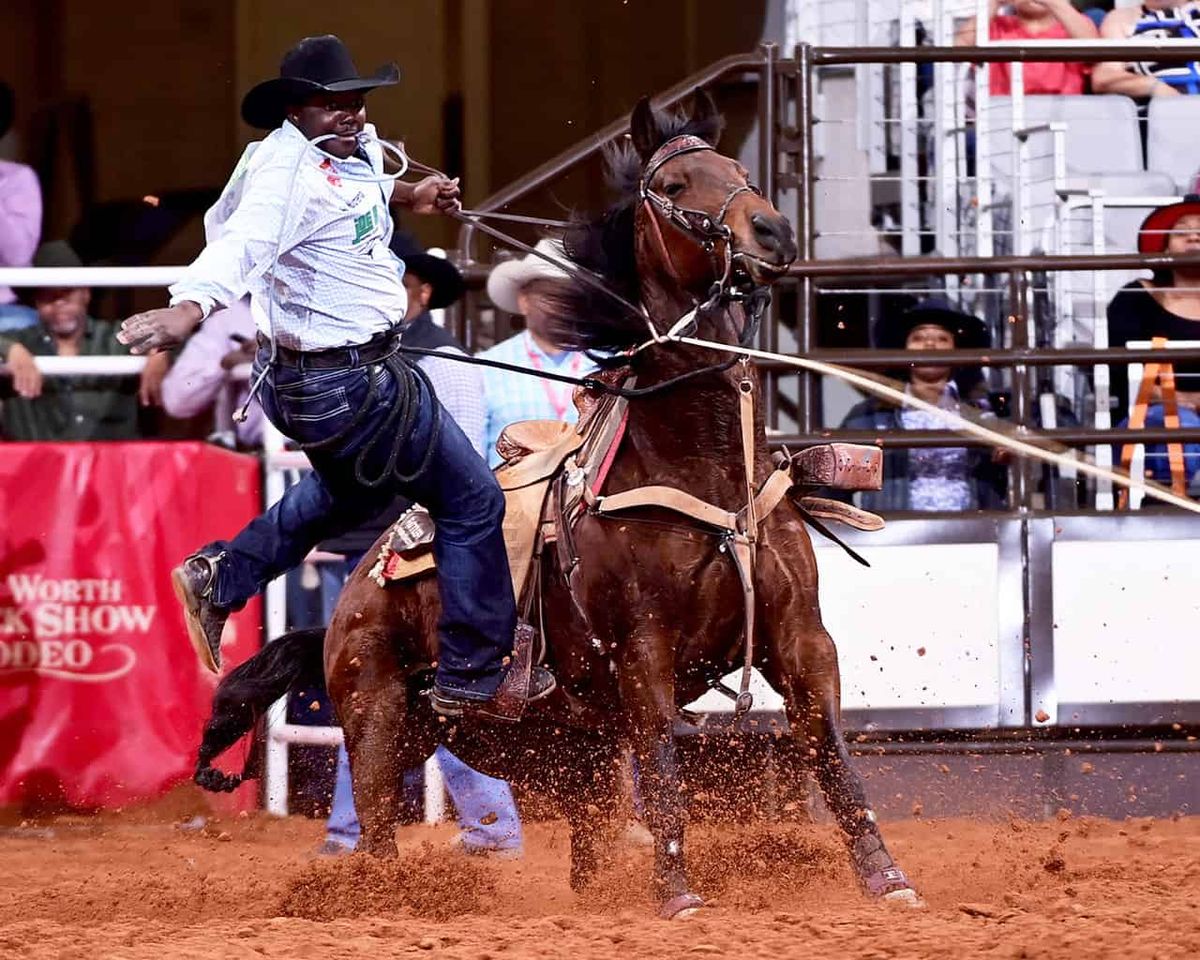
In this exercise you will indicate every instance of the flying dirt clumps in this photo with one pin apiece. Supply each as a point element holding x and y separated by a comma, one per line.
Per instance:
<point>752,868</point>
<point>427,883</point>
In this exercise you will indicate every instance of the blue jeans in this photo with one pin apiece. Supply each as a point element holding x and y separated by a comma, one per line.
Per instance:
<point>478,613</point>
<point>476,797</point>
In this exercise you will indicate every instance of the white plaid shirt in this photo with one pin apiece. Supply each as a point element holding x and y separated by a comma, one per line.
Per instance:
<point>511,397</point>
<point>459,388</point>
<point>336,282</point>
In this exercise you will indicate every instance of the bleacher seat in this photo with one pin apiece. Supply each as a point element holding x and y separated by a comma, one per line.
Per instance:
<point>1102,132</point>
<point>1173,139</point>
<point>1101,147</point>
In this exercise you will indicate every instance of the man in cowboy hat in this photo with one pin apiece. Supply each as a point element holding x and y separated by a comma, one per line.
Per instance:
<point>520,287</point>
<point>76,407</point>
<point>302,228</point>
<point>941,478</point>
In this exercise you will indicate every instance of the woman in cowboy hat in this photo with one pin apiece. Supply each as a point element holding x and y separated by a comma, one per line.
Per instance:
<point>1166,305</point>
<point>302,228</point>
<point>925,479</point>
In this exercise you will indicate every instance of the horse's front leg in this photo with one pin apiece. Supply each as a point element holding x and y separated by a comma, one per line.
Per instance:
<point>646,679</point>
<point>590,781</point>
<point>803,668</point>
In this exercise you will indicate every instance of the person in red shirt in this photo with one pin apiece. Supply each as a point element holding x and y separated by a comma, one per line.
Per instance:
<point>1035,20</point>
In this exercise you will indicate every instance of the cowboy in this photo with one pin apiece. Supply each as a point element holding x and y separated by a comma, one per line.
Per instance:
<point>302,228</point>
<point>522,287</point>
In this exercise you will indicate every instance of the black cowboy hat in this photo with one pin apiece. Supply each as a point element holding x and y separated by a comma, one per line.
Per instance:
<point>1156,228</point>
<point>7,108</point>
<point>438,272</point>
<point>52,253</point>
<point>313,65</point>
<point>970,333</point>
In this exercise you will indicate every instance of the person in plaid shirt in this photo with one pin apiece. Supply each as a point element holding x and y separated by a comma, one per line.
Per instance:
<point>517,286</point>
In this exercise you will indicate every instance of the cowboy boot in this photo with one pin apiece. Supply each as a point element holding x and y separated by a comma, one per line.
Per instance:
<point>193,581</point>
<point>524,682</point>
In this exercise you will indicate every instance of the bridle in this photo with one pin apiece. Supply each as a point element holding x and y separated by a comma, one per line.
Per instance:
<point>706,230</point>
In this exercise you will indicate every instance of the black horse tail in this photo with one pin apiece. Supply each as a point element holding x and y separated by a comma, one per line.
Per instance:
<point>293,660</point>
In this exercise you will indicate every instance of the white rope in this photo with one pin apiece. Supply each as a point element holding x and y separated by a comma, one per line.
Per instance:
<point>955,421</point>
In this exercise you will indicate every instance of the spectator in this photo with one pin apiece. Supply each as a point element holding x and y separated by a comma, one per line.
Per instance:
<point>225,340</point>
<point>1152,20</point>
<point>1167,305</point>
<point>70,408</point>
<point>486,810</point>
<point>519,286</point>
<point>1035,20</point>
<point>941,478</point>
<point>20,220</point>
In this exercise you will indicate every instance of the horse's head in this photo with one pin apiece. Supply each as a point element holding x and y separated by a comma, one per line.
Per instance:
<point>701,221</point>
<point>686,218</point>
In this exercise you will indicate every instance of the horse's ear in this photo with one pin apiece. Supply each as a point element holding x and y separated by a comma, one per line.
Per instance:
<point>643,126</point>
<point>704,112</point>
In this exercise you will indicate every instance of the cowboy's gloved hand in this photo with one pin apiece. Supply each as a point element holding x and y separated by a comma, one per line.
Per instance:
<point>159,329</point>
<point>436,195</point>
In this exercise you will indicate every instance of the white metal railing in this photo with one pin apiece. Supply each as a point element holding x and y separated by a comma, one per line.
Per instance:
<point>87,366</point>
<point>1081,312</point>
<point>89,276</point>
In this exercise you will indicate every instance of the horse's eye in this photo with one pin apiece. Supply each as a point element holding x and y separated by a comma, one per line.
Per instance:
<point>674,189</point>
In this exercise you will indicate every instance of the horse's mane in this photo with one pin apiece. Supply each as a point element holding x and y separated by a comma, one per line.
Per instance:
<point>579,316</point>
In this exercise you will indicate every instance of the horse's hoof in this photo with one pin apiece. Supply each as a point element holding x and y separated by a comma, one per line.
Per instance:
<point>681,907</point>
<point>906,897</point>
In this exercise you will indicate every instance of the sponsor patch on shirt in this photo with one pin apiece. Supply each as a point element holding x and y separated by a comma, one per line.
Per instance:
<point>363,225</point>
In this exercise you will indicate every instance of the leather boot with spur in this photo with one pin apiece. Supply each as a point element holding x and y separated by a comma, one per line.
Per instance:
<point>193,581</point>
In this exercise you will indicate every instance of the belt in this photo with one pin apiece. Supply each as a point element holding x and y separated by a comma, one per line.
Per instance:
<point>377,348</point>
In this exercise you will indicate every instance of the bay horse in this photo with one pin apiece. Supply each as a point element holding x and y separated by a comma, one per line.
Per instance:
<point>657,611</point>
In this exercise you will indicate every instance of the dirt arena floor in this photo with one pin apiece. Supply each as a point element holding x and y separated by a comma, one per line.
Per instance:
<point>138,886</point>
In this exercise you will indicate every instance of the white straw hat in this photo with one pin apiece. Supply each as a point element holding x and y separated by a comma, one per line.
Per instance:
<point>506,280</point>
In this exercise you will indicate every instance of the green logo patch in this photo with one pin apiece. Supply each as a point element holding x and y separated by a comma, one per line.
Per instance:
<point>363,225</point>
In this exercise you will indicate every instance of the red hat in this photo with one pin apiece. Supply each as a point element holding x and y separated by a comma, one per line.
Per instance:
<point>1156,228</point>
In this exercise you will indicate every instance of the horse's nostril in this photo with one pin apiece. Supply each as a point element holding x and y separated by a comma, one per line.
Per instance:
<point>766,231</point>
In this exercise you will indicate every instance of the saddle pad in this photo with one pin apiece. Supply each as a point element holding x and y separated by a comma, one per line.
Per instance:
<point>522,512</point>
<point>535,451</point>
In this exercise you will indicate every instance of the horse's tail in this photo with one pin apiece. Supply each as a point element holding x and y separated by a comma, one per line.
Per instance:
<point>293,660</point>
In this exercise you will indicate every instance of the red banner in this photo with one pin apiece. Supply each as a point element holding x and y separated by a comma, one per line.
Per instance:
<point>102,699</point>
